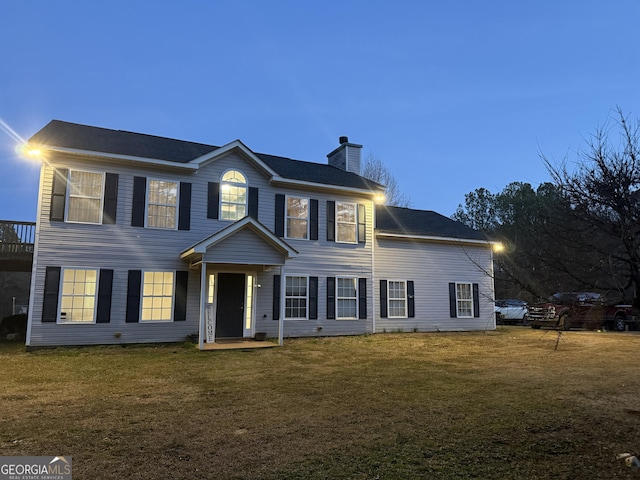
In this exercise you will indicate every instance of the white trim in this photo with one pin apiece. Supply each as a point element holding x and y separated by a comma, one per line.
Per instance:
<point>406,299</point>
<point>142,296</point>
<point>146,203</point>
<point>281,316</point>
<point>203,305</point>
<point>126,158</point>
<point>355,224</point>
<point>306,297</point>
<point>357,316</point>
<point>431,238</point>
<point>464,300</point>
<point>286,217</point>
<point>235,145</point>
<point>244,185</point>
<point>326,186</point>
<point>248,222</point>
<point>59,319</point>
<point>67,200</point>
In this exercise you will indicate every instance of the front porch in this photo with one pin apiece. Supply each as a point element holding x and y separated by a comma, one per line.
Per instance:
<point>237,344</point>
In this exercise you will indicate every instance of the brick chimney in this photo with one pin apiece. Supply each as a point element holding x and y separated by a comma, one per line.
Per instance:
<point>347,156</point>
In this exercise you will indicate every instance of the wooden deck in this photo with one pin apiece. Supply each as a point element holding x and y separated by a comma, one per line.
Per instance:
<point>238,344</point>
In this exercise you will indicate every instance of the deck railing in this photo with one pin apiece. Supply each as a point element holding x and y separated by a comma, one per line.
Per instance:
<point>16,239</point>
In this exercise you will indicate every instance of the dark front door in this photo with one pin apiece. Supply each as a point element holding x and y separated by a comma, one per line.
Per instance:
<point>230,310</point>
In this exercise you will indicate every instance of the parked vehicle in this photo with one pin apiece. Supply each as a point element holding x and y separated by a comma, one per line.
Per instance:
<point>581,310</point>
<point>511,311</point>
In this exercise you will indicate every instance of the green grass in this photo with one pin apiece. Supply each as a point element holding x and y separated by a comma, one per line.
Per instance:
<point>498,405</point>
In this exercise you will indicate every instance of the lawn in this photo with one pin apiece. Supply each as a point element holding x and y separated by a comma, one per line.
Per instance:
<point>496,405</point>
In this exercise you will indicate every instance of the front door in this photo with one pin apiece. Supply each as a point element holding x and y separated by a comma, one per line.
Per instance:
<point>230,309</point>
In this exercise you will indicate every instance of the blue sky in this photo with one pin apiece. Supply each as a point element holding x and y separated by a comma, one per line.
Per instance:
<point>452,95</point>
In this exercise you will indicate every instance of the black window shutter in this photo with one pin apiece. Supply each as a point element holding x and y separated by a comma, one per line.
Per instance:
<point>313,298</point>
<point>383,299</point>
<point>453,311</point>
<point>276,297</point>
<point>331,297</point>
<point>331,221</point>
<point>362,223</point>
<point>110,199</point>
<point>313,219</point>
<point>139,201</point>
<point>213,199</point>
<point>411,306</point>
<point>180,304</point>
<point>103,313</point>
<point>58,194</point>
<point>253,202</point>
<point>184,209</point>
<point>476,301</point>
<point>279,213</point>
<point>51,289</point>
<point>362,298</point>
<point>133,296</point>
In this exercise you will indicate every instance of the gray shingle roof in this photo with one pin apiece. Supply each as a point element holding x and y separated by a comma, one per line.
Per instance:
<point>95,139</point>
<point>426,223</point>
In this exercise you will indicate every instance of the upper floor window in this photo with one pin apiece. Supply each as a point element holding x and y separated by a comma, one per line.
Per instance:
<point>233,195</point>
<point>162,200</point>
<point>85,197</point>
<point>346,222</point>
<point>297,217</point>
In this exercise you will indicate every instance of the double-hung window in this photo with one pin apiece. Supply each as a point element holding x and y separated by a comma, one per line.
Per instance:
<point>346,222</point>
<point>157,296</point>
<point>296,297</point>
<point>78,297</point>
<point>297,217</point>
<point>397,298</point>
<point>85,197</point>
<point>464,300</point>
<point>233,195</point>
<point>347,298</point>
<point>162,200</point>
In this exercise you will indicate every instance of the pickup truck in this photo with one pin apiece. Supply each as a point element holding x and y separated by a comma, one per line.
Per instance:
<point>588,310</point>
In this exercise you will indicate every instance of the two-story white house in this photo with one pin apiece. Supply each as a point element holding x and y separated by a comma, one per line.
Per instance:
<point>149,239</point>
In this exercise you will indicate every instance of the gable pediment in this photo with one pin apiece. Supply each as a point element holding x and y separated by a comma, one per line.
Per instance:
<point>246,242</point>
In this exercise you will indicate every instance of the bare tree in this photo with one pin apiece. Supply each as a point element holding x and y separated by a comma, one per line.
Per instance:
<point>374,169</point>
<point>603,189</point>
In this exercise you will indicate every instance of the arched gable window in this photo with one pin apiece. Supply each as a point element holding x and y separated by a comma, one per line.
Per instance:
<point>233,195</point>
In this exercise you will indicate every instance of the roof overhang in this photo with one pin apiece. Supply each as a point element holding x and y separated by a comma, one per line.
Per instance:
<point>196,251</point>
<point>436,239</point>
<point>121,158</point>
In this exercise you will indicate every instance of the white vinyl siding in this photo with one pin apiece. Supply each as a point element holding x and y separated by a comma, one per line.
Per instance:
<point>233,195</point>
<point>162,200</point>
<point>347,298</point>
<point>85,197</point>
<point>296,297</point>
<point>157,296</point>
<point>397,299</point>
<point>464,300</point>
<point>297,218</point>
<point>78,297</point>
<point>346,222</point>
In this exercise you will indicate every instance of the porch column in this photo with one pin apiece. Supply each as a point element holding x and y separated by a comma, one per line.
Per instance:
<point>281,316</point>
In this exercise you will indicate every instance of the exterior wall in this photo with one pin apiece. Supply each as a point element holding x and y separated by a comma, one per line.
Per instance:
<point>432,266</point>
<point>122,247</point>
